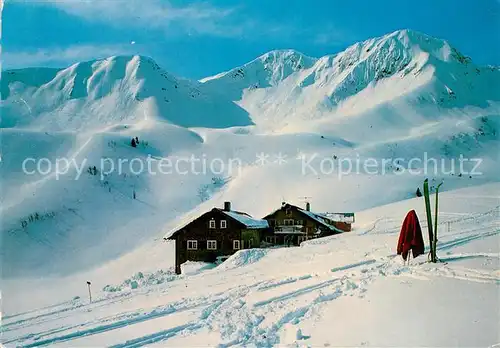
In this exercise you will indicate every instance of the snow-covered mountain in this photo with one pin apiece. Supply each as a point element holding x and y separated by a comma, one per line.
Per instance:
<point>391,74</point>
<point>95,94</point>
<point>402,95</point>
<point>268,70</point>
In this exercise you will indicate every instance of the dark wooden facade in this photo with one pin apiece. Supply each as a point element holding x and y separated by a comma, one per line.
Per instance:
<point>215,234</point>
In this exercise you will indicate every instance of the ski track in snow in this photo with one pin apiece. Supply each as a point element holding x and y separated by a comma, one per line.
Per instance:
<point>239,312</point>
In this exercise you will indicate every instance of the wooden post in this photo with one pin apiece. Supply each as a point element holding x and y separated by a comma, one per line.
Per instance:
<point>90,293</point>
<point>178,261</point>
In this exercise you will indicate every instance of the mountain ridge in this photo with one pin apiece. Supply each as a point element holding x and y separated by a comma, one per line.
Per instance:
<point>280,86</point>
<point>404,66</point>
<point>107,92</point>
<point>402,35</point>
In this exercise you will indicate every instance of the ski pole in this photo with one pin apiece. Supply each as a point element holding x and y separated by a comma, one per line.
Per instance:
<point>434,247</point>
<point>429,218</point>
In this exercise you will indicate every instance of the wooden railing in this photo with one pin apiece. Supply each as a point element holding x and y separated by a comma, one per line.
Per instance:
<point>289,228</point>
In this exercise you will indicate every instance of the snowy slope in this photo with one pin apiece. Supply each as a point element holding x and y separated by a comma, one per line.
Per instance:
<point>345,290</point>
<point>401,95</point>
<point>115,90</point>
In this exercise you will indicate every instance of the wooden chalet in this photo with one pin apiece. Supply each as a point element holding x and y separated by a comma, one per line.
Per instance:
<point>217,233</point>
<point>291,225</point>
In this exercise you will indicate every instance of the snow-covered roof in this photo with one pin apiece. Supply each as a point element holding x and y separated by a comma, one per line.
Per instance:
<point>323,220</point>
<point>246,219</point>
<point>340,217</point>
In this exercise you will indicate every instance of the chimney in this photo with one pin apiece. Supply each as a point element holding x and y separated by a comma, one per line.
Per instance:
<point>308,206</point>
<point>227,206</point>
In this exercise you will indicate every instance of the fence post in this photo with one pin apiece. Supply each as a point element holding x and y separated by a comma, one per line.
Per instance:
<point>90,293</point>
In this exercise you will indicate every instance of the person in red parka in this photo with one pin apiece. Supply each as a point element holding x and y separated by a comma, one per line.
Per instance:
<point>410,237</point>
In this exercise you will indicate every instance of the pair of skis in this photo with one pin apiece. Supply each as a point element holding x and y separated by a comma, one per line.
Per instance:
<point>432,235</point>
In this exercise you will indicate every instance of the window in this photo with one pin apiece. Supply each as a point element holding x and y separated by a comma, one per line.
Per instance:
<point>236,244</point>
<point>192,245</point>
<point>300,222</point>
<point>271,239</point>
<point>223,224</point>
<point>211,223</point>
<point>288,222</point>
<point>211,244</point>
<point>288,212</point>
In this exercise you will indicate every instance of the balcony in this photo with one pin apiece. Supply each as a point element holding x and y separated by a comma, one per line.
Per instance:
<point>289,229</point>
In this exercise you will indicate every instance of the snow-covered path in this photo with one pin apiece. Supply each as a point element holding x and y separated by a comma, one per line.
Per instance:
<point>345,290</point>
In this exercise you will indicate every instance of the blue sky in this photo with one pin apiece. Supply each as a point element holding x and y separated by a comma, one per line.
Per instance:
<point>195,39</point>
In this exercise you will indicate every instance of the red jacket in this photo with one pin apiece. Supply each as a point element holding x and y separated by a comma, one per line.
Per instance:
<point>410,237</point>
